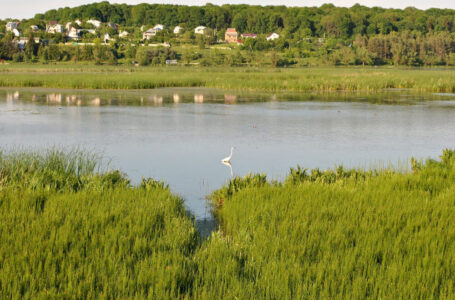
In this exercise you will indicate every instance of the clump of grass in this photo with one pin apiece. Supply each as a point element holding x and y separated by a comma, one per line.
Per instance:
<point>337,234</point>
<point>71,230</point>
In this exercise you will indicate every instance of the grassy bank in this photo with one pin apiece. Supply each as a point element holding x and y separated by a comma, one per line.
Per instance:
<point>254,79</point>
<point>336,235</point>
<point>70,229</point>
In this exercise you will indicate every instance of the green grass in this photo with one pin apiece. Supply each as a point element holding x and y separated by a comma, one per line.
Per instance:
<point>71,229</point>
<point>68,231</point>
<point>242,78</point>
<point>335,235</point>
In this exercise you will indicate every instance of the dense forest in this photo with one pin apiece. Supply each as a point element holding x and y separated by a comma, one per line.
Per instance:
<point>326,35</point>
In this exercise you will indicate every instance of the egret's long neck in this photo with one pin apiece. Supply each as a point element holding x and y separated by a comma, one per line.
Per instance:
<point>232,150</point>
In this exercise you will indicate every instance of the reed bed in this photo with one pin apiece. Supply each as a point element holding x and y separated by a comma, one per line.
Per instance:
<point>241,78</point>
<point>340,234</point>
<point>70,228</point>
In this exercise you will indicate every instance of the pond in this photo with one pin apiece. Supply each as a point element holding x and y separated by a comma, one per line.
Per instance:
<point>181,135</point>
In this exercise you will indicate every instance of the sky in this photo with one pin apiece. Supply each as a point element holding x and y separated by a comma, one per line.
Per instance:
<point>28,8</point>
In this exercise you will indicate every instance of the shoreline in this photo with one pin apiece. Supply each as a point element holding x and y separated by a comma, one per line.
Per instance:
<point>242,79</point>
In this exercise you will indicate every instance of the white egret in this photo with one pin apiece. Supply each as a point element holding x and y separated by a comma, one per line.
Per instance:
<point>228,159</point>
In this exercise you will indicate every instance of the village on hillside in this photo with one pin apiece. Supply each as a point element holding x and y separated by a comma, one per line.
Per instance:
<point>233,35</point>
<point>87,31</point>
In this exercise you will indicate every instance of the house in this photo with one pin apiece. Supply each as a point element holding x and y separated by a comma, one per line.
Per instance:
<point>249,35</point>
<point>34,28</point>
<point>200,30</point>
<point>91,31</point>
<point>178,29</point>
<point>231,36</point>
<point>113,26</point>
<point>24,40</point>
<point>273,36</point>
<point>159,27</point>
<point>78,22</point>
<point>16,32</point>
<point>68,25</point>
<point>171,62</point>
<point>53,27</point>
<point>95,23</point>
<point>10,26</point>
<point>74,33</point>
<point>123,34</point>
<point>107,38</point>
<point>149,34</point>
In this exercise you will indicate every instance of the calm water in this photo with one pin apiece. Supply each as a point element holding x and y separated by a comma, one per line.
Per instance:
<point>180,135</point>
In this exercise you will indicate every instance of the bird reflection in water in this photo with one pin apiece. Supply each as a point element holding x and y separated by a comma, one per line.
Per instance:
<point>230,167</point>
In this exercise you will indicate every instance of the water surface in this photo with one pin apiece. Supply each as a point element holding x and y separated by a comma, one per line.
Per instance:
<point>180,135</point>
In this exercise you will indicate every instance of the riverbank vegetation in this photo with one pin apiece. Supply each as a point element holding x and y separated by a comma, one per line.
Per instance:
<point>248,79</point>
<point>70,228</point>
<point>348,234</point>
<point>304,36</point>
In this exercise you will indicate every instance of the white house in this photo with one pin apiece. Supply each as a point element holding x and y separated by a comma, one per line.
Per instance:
<point>68,25</point>
<point>16,32</point>
<point>91,31</point>
<point>178,29</point>
<point>10,26</point>
<point>55,28</point>
<point>273,36</point>
<point>200,30</point>
<point>24,40</point>
<point>107,38</point>
<point>78,22</point>
<point>159,27</point>
<point>95,23</point>
<point>34,28</point>
<point>73,33</point>
<point>123,34</point>
<point>149,34</point>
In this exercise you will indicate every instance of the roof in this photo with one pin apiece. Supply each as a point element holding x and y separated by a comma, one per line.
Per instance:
<point>231,30</point>
<point>249,35</point>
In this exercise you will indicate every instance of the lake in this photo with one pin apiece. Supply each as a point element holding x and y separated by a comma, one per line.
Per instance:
<point>180,135</point>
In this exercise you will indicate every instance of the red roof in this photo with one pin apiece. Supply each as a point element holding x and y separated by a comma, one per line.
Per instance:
<point>249,35</point>
<point>231,30</point>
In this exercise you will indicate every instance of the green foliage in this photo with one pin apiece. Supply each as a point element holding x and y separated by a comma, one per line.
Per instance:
<point>159,56</point>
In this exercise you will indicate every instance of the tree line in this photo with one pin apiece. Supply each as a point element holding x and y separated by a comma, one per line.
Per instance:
<point>325,35</point>
<point>326,20</point>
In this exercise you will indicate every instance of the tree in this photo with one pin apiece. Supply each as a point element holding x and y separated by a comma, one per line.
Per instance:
<point>30,47</point>
<point>364,56</point>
